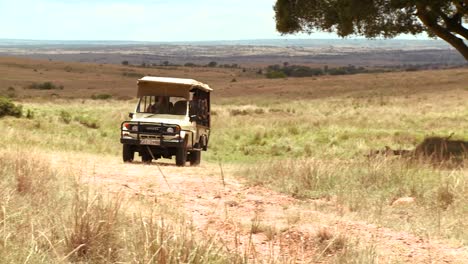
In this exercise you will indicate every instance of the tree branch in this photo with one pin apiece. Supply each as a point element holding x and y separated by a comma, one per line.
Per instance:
<point>454,23</point>
<point>428,20</point>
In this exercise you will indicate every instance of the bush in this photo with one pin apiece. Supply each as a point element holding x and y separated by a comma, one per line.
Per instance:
<point>8,108</point>
<point>101,96</point>
<point>11,92</point>
<point>65,117</point>
<point>30,114</point>
<point>212,64</point>
<point>276,75</point>
<point>45,86</point>
<point>87,122</point>
<point>301,71</point>
<point>133,74</point>
<point>275,71</point>
<point>244,112</point>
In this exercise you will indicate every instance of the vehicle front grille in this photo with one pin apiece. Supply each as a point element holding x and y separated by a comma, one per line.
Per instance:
<point>150,137</point>
<point>150,129</point>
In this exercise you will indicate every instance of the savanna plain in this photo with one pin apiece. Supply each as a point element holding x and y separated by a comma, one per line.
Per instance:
<point>292,174</point>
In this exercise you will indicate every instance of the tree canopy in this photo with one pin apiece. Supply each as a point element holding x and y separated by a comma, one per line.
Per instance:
<point>377,18</point>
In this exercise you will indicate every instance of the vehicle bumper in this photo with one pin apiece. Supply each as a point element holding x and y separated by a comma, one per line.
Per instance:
<point>160,143</point>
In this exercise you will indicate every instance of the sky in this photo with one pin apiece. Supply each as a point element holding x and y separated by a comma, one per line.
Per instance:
<point>141,20</point>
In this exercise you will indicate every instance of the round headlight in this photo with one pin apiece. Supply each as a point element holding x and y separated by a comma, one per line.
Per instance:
<point>135,128</point>
<point>170,130</point>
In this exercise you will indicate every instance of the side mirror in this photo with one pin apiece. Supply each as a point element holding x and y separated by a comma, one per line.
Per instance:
<point>193,118</point>
<point>130,115</point>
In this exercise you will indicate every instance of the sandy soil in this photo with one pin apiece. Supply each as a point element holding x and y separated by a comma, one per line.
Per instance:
<point>226,208</point>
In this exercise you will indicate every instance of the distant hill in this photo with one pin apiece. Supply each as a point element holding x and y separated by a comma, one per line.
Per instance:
<point>362,52</point>
<point>377,43</point>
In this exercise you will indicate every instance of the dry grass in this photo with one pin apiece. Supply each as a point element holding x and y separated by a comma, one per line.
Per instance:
<point>86,79</point>
<point>304,137</point>
<point>366,189</point>
<point>50,217</point>
<point>93,235</point>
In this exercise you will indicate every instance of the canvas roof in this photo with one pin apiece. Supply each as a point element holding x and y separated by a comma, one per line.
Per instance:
<point>174,82</point>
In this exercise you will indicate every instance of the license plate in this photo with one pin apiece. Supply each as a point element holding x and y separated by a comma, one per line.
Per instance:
<point>148,141</point>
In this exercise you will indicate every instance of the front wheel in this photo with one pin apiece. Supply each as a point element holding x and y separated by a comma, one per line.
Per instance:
<point>146,156</point>
<point>195,156</point>
<point>128,153</point>
<point>181,156</point>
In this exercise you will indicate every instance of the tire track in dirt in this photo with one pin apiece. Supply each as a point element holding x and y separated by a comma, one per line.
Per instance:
<point>230,211</point>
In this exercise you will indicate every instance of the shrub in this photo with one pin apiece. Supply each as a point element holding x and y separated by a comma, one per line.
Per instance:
<point>244,112</point>
<point>125,62</point>
<point>276,75</point>
<point>11,92</point>
<point>65,117</point>
<point>30,114</point>
<point>212,64</point>
<point>274,71</point>
<point>8,108</point>
<point>87,121</point>
<point>101,96</point>
<point>301,71</point>
<point>133,74</point>
<point>45,86</point>
<point>237,112</point>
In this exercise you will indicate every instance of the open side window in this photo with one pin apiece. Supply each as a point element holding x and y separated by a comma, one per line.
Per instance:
<point>200,107</point>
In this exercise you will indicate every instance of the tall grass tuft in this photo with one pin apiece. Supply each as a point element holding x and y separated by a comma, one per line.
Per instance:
<point>162,240</point>
<point>33,176</point>
<point>93,235</point>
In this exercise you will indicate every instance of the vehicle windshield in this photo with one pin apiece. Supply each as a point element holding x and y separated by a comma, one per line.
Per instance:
<point>164,105</point>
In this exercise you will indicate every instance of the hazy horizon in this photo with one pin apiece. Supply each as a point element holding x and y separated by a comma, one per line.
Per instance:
<point>145,20</point>
<point>272,41</point>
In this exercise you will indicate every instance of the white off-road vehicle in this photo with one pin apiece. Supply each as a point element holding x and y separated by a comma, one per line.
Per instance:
<point>171,118</point>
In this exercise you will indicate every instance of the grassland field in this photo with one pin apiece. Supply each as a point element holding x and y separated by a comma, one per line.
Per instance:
<point>305,137</point>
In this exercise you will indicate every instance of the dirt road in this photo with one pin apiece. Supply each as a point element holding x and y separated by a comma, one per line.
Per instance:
<point>265,225</point>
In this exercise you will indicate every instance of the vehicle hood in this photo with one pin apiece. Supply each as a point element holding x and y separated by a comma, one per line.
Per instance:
<point>182,121</point>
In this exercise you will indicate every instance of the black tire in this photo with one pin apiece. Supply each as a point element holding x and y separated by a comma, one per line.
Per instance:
<point>128,154</point>
<point>181,156</point>
<point>195,156</point>
<point>146,156</point>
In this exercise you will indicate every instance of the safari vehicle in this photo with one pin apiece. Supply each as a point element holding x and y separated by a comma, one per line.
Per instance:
<point>171,118</point>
